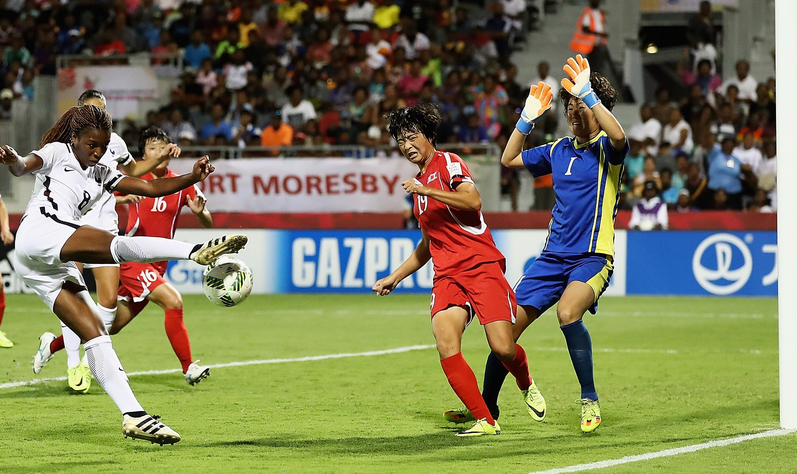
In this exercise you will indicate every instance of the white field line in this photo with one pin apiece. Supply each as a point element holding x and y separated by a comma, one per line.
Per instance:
<point>398,350</point>
<point>666,453</point>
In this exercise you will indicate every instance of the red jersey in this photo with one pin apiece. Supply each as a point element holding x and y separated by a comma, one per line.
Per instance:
<point>458,240</point>
<point>157,217</point>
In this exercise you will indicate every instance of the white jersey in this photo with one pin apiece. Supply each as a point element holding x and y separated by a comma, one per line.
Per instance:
<point>66,191</point>
<point>102,214</point>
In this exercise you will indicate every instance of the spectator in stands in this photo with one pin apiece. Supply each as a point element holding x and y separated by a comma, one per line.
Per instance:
<point>359,105</point>
<point>590,37</point>
<point>177,124</point>
<point>345,132</point>
<point>693,105</point>
<point>725,174</point>
<point>684,205</point>
<point>681,172</point>
<point>550,121</point>
<point>277,88</point>
<point>225,48</point>
<point>473,131</point>
<point>206,77</point>
<point>6,99</point>
<point>318,52</point>
<point>678,133</point>
<point>760,203</point>
<point>701,26</point>
<point>669,190</point>
<point>196,52</point>
<point>391,102</point>
<point>756,125</point>
<point>182,24</point>
<point>663,107</point>
<point>697,186</point>
<point>122,31</point>
<point>290,11</point>
<point>107,44</point>
<point>635,159</point>
<point>144,15</point>
<point>743,80</point>
<point>489,102</point>
<point>703,122</point>
<point>650,213</point>
<point>277,133</point>
<point>647,130</point>
<point>236,70</point>
<point>648,173</point>
<point>740,108</point>
<point>724,126</point>
<point>217,127</point>
<point>74,44</point>
<point>272,28</point>
<point>298,110</point>
<point>708,81</point>
<point>764,105</point>
<point>411,40</point>
<point>410,85</point>
<point>359,16</point>
<point>23,87</point>
<point>151,34</point>
<point>498,28</point>
<point>247,133</point>
<point>17,51</point>
<point>246,25</point>
<point>747,153</point>
<point>705,50</point>
<point>767,172</point>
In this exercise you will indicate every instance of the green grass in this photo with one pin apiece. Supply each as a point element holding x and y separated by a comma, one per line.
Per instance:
<point>671,372</point>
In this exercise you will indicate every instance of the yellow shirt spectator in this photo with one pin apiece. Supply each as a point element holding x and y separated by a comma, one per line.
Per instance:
<point>245,29</point>
<point>290,11</point>
<point>386,16</point>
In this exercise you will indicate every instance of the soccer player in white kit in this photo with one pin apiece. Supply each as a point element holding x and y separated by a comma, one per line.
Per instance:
<point>102,215</point>
<point>51,238</point>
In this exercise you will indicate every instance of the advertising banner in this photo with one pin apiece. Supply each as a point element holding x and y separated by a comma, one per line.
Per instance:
<point>702,263</point>
<point>123,87</point>
<point>305,184</point>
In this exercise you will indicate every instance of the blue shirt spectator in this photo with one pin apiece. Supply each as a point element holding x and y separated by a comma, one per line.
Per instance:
<point>473,132</point>
<point>197,51</point>
<point>217,125</point>
<point>724,169</point>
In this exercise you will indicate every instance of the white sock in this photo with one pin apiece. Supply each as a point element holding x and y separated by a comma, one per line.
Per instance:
<point>108,371</point>
<point>149,249</point>
<point>107,316</point>
<point>71,346</point>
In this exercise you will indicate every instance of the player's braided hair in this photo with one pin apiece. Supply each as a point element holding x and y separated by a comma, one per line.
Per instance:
<point>602,88</point>
<point>91,94</point>
<point>75,121</point>
<point>423,118</point>
<point>152,134</point>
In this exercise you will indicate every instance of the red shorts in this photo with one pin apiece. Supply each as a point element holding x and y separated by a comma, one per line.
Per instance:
<point>137,281</point>
<point>483,291</point>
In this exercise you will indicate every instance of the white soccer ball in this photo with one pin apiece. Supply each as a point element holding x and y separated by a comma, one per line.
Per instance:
<point>227,281</point>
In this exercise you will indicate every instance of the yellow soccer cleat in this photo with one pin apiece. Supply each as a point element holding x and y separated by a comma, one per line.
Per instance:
<point>149,428</point>
<point>5,343</point>
<point>535,403</point>
<point>76,376</point>
<point>590,415</point>
<point>460,415</point>
<point>481,428</point>
<point>206,253</point>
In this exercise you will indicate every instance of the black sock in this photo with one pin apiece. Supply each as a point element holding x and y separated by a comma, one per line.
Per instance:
<point>494,375</point>
<point>135,414</point>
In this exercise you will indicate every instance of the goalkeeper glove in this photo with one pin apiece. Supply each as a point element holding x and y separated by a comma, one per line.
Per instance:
<point>578,84</point>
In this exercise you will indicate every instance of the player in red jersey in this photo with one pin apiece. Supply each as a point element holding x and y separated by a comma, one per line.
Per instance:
<point>469,270</point>
<point>143,282</point>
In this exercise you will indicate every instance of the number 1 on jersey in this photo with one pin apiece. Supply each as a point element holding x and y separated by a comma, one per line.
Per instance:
<point>570,166</point>
<point>159,205</point>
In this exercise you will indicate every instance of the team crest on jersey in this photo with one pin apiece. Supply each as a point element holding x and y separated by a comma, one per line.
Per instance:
<point>431,177</point>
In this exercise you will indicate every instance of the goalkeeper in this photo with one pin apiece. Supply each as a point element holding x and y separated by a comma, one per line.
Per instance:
<point>576,263</point>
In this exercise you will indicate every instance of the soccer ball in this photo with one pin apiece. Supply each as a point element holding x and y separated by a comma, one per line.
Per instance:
<point>227,281</point>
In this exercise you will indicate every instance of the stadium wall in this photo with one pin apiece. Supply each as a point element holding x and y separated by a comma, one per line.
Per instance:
<point>646,263</point>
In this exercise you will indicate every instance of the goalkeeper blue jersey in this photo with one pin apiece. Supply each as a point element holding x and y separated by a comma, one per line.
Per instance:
<point>586,180</point>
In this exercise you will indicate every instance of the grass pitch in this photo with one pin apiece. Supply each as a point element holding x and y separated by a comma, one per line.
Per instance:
<point>671,372</point>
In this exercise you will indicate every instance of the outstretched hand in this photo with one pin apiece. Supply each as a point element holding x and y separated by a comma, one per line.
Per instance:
<point>196,205</point>
<point>579,84</point>
<point>384,286</point>
<point>169,151</point>
<point>202,168</point>
<point>8,156</point>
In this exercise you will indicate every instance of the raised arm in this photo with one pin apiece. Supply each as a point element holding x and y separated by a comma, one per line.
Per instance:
<point>538,101</point>
<point>416,260</point>
<point>197,206</point>
<point>18,165</point>
<point>166,186</point>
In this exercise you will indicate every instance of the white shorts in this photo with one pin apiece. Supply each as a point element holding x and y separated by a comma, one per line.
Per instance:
<point>37,257</point>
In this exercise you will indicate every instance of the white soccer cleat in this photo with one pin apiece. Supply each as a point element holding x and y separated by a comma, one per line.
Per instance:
<point>196,373</point>
<point>149,428</point>
<point>43,355</point>
<point>206,253</point>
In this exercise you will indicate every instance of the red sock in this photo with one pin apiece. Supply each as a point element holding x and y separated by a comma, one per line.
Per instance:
<point>519,367</point>
<point>57,344</point>
<point>462,380</point>
<point>178,336</point>
<point>2,302</point>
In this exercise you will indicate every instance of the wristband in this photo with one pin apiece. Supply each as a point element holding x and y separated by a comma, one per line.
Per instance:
<point>591,99</point>
<point>524,127</point>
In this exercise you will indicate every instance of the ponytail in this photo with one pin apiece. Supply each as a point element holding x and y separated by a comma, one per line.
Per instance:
<point>75,121</point>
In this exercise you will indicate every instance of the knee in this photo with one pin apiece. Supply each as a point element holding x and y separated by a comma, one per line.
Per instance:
<point>172,302</point>
<point>504,351</point>
<point>568,314</point>
<point>447,346</point>
<point>107,302</point>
